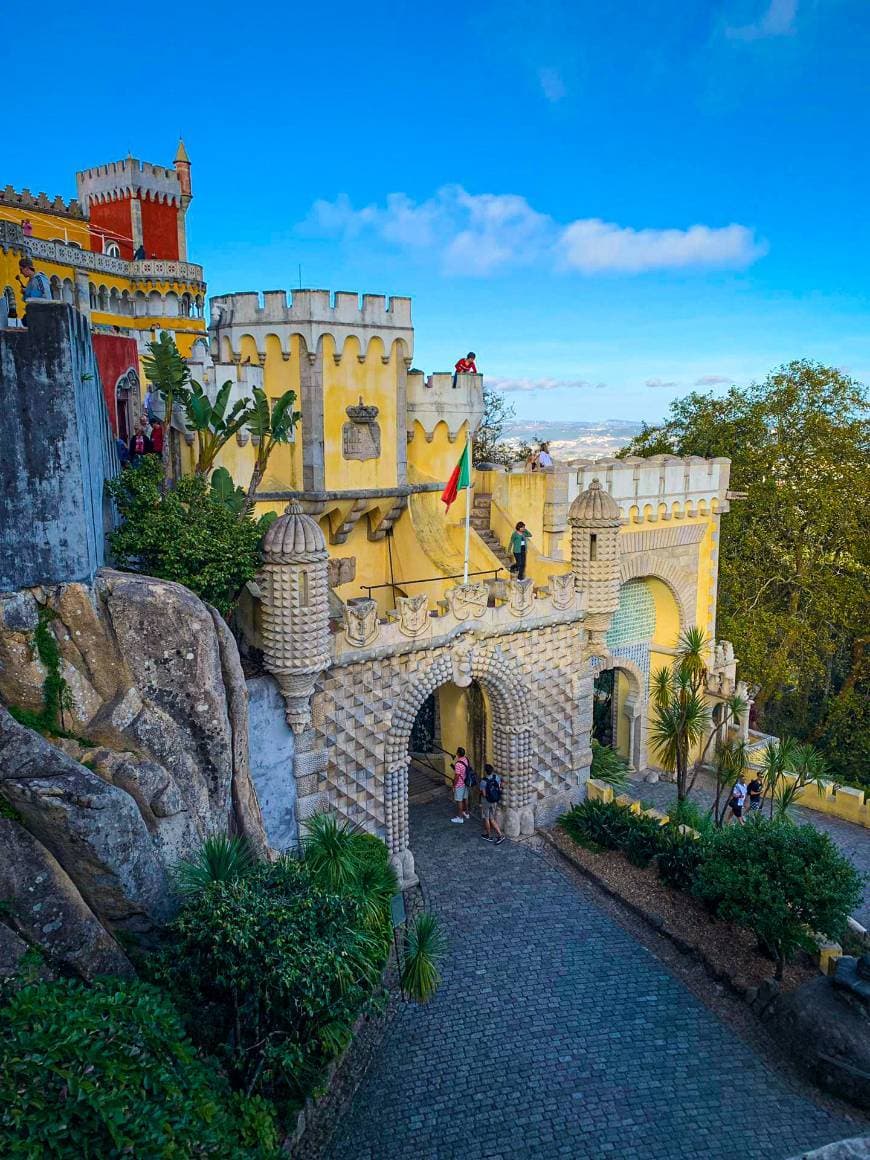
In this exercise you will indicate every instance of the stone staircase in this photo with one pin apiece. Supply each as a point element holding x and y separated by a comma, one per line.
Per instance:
<point>481,509</point>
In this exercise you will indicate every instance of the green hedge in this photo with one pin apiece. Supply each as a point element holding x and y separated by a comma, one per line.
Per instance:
<point>106,1071</point>
<point>782,881</point>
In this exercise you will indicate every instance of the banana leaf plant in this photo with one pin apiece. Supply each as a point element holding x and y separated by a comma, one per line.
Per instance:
<point>214,427</point>
<point>270,424</point>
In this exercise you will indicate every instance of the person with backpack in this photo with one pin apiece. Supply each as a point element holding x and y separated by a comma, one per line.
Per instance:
<point>463,779</point>
<point>490,798</point>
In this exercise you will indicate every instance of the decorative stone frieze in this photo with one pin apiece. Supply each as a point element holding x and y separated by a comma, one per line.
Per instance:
<point>361,621</point>
<point>468,601</point>
<point>521,596</point>
<point>413,615</point>
<point>361,436</point>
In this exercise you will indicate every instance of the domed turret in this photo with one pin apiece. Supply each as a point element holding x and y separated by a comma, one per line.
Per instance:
<point>295,606</point>
<point>594,518</point>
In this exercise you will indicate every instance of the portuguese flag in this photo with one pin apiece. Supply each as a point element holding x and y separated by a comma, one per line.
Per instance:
<point>460,479</point>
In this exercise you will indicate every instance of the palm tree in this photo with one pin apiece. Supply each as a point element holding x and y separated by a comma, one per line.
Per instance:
<point>425,945</point>
<point>169,374</point>
<point>731,759</point>
<point>775,762</point>
<point>213,426</point>
<point>807,766</point>
<point>269,426</point>
<point>680,715</point>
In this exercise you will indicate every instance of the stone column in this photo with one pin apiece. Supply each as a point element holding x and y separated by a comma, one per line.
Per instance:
<point>513,753</point>
<point>396,814</point>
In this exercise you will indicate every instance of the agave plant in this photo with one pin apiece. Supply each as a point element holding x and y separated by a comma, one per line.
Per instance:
<point>425,944</point>
<point>608,766</point>
<point>219,859</point>
<point>331,850</point>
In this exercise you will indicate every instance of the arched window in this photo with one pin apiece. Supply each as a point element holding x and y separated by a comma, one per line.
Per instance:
<point>185,306</point>
<point>103,299</point>
<point>69,294</point>
<point>54,283</point>
<point>112,249</point>
<point>11,307</point>
<point>114,301</point>
<point>93,295</point>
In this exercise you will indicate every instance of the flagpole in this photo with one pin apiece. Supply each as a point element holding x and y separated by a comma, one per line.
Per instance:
<point>468,510</point>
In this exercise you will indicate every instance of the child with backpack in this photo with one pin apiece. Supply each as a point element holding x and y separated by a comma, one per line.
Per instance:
<point>463,780</point>
<point>490,797</point>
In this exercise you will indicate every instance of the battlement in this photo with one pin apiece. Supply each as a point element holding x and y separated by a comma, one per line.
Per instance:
<point>312,314</point>
<point>691,482</point>
<point>307,306</point>
<point>435,400</point>
<point>120,179</point>
<point>41,203</point>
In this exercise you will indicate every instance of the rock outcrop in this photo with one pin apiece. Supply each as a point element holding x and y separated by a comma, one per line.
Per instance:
<point>156,706</point>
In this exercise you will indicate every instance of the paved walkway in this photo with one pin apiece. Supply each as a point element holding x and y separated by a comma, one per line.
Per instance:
<point>555,1034</point>
<point>853,840</point>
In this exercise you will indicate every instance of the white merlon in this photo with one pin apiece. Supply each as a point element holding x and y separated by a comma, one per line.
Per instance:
<point>435,400</point>
<point>659,479</point>
<point>312,314</point>
<point>125,178</point>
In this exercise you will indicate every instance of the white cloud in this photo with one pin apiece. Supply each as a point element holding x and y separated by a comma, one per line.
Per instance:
<point>552,85</point>
<point>777,19</point>
<point>541,384</point>
<point>659,383</point>
<point>479,234</point>
<point>593,246</point>
<point>712,380</point>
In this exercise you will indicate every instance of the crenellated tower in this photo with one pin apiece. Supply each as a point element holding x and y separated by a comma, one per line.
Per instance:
<point>595,520</point>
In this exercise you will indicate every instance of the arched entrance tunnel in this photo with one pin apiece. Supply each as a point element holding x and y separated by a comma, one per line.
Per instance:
<point>466,697</point>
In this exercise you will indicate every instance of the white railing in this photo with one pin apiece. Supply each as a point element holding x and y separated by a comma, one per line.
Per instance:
<point>65,255</point>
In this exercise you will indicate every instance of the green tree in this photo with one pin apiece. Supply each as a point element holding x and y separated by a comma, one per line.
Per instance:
<point>497,412</point>
<point>185,534</point>
<point>213,426</point>
<point>680,715</point>
<point>794,554</point>
<point>270,425</point>
<point>169,374</point>
<point>781,881</point>
<point>107,1071</point>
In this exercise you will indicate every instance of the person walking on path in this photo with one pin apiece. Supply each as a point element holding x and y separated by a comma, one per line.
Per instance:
<point>735,802</point>
<point>519,538</point>
<point>461,767</point>
<point>465,366</point>
<point>490,797</point>
<point>756,793</point>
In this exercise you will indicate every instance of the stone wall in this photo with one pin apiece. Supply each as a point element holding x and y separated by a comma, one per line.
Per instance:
<point>56,451</point>
<point>272,749</point>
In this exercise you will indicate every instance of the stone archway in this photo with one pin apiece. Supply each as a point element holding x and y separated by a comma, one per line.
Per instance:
<point>511,734</point>
<point>633,706</point>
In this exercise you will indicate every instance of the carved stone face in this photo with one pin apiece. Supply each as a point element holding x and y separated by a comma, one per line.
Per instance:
<point>462,664</point>
<point>413,614</point>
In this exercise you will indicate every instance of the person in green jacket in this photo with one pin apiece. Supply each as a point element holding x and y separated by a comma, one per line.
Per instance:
<point>519,537</point>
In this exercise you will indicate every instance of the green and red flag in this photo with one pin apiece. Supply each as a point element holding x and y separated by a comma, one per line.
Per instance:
<point>460,479</point>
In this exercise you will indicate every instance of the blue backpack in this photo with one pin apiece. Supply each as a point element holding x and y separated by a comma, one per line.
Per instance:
<point>492,789</point>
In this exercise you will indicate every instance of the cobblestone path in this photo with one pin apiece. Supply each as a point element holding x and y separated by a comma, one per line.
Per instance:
<point>853,840</point>
<point>555,1034</point>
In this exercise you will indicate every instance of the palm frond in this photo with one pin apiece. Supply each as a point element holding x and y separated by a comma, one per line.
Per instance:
<point>425,945</point>
<point>220,858</point>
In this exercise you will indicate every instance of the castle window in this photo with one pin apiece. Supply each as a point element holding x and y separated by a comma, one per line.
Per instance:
<point>593,547</point>
<point>112,249</point>
<point>303,590</point>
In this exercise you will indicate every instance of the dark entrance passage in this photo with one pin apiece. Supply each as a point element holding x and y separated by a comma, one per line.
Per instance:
<point>604,708</point>
<point>448,717</point>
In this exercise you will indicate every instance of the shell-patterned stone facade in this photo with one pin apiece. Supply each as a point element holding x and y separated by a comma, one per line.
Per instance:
<point>294,591</point>
<point>595,521</point>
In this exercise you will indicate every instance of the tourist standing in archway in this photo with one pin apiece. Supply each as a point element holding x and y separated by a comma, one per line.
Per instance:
<point>461,767</point>
<point>490,799</point>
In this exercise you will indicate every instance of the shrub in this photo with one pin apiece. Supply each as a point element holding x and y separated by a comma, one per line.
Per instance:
<point>424,946</point>
<point>219,859</point>
<point>185,534</point>
<point>604,823</point>
<point>608,766</point>
<point>687,813</point>
<point>271,971</point>
<point>679,858</point>
<point>107,1071</point>
<point>779,880</point>
<point>643,840</point>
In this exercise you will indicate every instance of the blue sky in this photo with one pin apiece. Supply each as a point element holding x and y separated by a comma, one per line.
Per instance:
<point>610,203</point>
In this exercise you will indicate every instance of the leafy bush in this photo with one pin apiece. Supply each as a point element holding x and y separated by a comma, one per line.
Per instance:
<point>185,534</point>
<point>643,840</point>
<point>107,1071</point>
<point>271,971</point>
<point>779,880</point>
<point>687,813</point>
<point>608,766</point>
<point>679,858</point>
<point>219,859</point>
<point>424,946</point>
<point>604,823</point>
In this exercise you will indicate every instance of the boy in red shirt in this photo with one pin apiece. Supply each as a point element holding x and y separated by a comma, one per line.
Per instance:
<point>465,366</point>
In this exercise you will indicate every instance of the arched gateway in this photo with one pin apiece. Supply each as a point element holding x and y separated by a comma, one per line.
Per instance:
<point>511,740</point>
